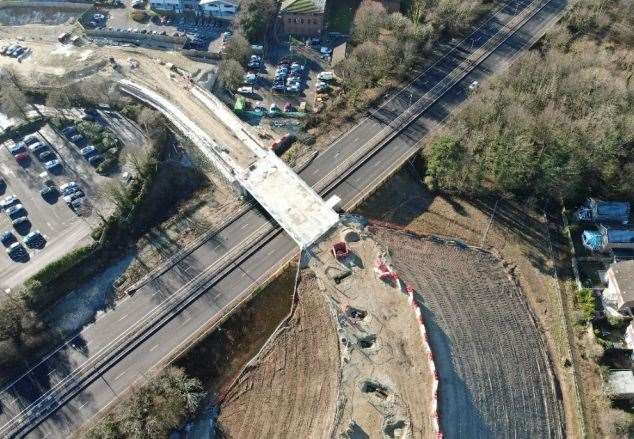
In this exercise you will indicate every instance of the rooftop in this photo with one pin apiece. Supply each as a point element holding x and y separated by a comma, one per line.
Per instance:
<point>623,273</point>
<point>303,6</point>
<point>620,384</point>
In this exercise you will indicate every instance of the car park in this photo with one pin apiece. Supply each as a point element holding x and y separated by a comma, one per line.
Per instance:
<point>87,150</point>
<point>8,201</point>
<point>46,156</point>
<point>33,238</point>
<point>52,164</point>
<point>7,238</point>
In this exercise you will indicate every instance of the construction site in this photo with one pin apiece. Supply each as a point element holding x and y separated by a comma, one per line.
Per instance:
<point>396,336</point>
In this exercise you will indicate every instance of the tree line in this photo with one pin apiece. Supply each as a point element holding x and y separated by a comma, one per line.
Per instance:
<point>558,124</point>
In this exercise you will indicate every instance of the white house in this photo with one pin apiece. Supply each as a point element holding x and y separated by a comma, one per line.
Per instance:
<point>223,9</point>
<point>619,294</point>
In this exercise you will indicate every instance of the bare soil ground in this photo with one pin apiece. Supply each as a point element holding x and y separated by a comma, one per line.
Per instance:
<point>495,377</point>
<point>518,233</point>
<point>330,373</point>
<point>291,388</point>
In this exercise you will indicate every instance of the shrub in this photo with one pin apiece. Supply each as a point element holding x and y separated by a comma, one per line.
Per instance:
<point>154,409</point>
<point>139,16</point>
<point>587,303</point>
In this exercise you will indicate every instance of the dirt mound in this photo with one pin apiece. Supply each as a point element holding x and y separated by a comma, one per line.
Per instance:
<point>495,377</point>
<point>291,390</point>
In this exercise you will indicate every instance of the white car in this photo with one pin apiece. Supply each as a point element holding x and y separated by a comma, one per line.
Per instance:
<point>8,201</point>
<point>68,188</point>
<point>245,90</point>
<point>474,86</point>
<point>326,76</point>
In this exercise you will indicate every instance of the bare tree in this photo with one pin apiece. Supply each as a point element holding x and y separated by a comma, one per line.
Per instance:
<point>238,48</point>
<point>231,74</point>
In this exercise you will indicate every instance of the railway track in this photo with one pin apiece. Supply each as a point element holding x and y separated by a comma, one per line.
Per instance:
<point>80,377</point>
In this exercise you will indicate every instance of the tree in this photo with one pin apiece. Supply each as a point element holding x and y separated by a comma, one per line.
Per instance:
<point>254,18</point>
<point>13,102</point>
<point>12,314</point>
<point>368,21</point>
<point>231,74</point>
<point>444,163</point>
<point>238,49</point>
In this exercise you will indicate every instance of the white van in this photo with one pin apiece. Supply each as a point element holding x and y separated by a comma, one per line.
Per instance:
<point>326,76</point>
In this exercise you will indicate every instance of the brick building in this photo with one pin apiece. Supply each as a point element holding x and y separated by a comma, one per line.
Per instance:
<point>303,18</point>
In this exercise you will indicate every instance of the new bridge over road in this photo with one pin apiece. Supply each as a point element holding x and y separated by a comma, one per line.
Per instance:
<point>171,309</point>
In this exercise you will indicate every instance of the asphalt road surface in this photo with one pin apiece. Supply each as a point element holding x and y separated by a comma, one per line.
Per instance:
<point>212,293</point>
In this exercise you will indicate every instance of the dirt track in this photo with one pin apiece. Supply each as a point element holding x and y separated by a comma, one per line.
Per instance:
<point>495,380</point>
<point>291,391</point>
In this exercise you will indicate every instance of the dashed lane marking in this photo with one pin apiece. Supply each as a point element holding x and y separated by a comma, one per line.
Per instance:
<point>120,375</point>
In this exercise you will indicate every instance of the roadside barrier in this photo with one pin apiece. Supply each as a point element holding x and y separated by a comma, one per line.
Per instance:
<point>384,271</point>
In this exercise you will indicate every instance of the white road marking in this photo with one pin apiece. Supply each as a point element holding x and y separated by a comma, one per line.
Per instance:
<point>270,252</point>
<point>122,317</point>
<point>154,347</point>
<point>83,405</point>
<point>244,226</point>
<point>316,171</point>
<point>187,319</point>
<point>120,375</point>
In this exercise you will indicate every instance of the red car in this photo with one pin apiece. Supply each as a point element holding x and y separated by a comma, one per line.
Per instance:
<point>22,156</point>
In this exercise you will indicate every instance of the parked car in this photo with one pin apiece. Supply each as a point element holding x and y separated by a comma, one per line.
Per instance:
<point>31,139</point>
<point>69,188</point>
<point>77,139</point>
<point>48,192</point>
<point>16,249</point>
<point>37,147</point>
<point>278,87</point>
<point>245,90</point>
<point>7,238</point>
<point>69,131</point>
<point>326,76</point>
<point>72,197</point>
<point>250,78</point>
<point>87,150</point>
<point>46,156</point>
<point>8,201</point>
<point>14,211</point>
<point>322,87</point>
<point>95,159</point>
<point>17,148</point>
<point>23,156</point>
<point>20,222</point>
<point>33,238</point>
<point>52,164</point>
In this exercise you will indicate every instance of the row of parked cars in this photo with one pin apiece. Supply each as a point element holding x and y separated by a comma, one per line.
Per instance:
<point>18,216</point>
<point>15,51</point>
<point>35,145</point>
<point>289,77</point>
<point>89,152</point>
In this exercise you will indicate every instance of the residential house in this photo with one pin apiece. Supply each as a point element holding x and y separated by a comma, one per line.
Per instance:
<point>304,18</point>
<point>620,384</point>
<point>222,9</point>
<point>191,6</point>
<point>619,293</point>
